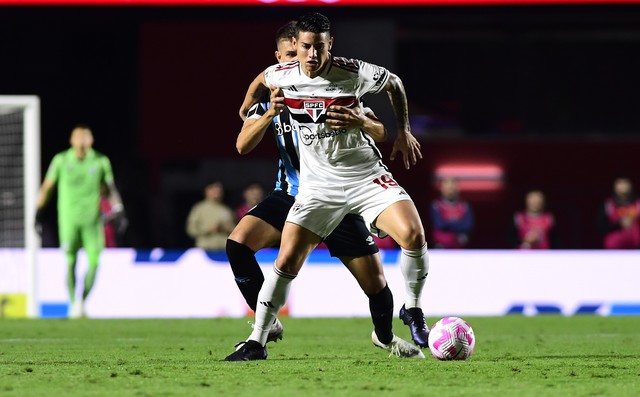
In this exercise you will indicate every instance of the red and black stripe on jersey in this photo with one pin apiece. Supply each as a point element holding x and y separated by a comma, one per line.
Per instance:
<point>287,66</point>
<point>314,110</point>
<point>350,65</point>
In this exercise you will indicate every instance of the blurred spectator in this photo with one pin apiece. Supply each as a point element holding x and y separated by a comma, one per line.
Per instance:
<point>619,217</point>
<point>533,228</point>
<point>452,217</point>
<point>252,195</point>
<point>210,221</point>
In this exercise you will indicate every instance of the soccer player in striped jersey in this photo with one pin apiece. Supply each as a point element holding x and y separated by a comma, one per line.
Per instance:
<point>261,227</point>
<point>341,173</point>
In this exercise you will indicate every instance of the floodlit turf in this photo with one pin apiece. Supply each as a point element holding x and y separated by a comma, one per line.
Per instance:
<point>515,356</point>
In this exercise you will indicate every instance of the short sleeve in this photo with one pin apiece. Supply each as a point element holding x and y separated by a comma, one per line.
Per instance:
<point>106,169</point>
<point>256,111</point>
<point>372,78</point>
<point>269,76</point>
<point>53,173</point>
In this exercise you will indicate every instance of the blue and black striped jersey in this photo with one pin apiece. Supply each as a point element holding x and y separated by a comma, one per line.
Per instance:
<point>287,142</point>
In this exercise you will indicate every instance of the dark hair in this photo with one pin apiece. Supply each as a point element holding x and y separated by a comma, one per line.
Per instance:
<point>82,126</point>
<point>210,182</point>
<point>286,32</point>
<point>313,22</point>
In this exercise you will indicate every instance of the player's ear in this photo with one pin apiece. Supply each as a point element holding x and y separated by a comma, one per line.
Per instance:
<point>330,43</point>
<point>277,54</point>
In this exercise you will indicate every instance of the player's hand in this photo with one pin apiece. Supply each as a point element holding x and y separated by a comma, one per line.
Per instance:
<point>409,146</point>
<point>339,117</point>
<point>117,211</point>
<point>39,221</point>
<point>121,223</point>
<point>277,101</point>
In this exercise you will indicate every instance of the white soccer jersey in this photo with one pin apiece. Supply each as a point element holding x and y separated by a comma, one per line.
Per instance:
<point>330,157</point>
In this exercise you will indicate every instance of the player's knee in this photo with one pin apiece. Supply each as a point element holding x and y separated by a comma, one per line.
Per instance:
<point>236,250</point>
<point>412,238</point>
<point>289,264</point>
<point>374,284</point>
<point>238,235</point>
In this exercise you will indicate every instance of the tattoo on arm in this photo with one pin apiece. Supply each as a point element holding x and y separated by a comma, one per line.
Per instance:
<point>398,98</point>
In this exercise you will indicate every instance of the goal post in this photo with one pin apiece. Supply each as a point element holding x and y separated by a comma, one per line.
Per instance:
<point>20,125</point>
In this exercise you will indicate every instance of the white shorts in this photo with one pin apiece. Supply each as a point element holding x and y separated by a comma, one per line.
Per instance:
<point>320,209</point>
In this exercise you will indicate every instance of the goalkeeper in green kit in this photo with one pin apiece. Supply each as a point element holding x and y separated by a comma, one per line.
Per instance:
<point>79,172</point>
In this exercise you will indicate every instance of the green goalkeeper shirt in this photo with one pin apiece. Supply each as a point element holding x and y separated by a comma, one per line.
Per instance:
<point>79,184</point>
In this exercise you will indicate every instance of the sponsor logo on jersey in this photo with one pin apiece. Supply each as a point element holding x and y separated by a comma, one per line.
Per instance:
<point>283,128</point>
<point>307,136</point>
<point>315,108</point>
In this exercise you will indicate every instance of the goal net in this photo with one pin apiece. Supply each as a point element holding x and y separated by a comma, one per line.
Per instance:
<point>19,181</point>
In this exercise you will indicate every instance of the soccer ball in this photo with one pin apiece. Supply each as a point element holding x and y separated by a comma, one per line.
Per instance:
<point>451,338</point>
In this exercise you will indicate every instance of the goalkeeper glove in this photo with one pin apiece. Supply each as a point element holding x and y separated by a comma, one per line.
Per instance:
<point>39,221</point>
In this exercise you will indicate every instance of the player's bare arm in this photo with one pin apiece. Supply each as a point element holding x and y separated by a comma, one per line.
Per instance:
<point>43,194</point>
<point>41,201</point>
<point>253,130</point>
<point>339,117</point>
<point>255,90</point>
<point>405,142</point>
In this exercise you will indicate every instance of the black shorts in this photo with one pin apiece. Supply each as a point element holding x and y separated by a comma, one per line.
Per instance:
<point>350,238</point>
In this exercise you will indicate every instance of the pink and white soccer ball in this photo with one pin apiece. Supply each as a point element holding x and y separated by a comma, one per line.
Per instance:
<point>451,338</point>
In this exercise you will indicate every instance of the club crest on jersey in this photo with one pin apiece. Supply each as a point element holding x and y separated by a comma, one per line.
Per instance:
<point>315,108</point>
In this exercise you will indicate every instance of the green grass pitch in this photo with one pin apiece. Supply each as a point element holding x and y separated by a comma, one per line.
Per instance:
<point>515,356</point>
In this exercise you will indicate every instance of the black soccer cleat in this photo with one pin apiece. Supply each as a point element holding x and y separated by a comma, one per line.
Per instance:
<point>248,351</point>
<point>414,318</point>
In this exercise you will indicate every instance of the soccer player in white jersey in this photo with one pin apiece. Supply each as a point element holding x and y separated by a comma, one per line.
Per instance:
<point>341,172</point>
<point>261,227</point>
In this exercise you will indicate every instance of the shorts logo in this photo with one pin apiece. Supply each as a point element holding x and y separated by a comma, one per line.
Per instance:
<point>370,240</point>
<point>296,207</point>
<point>315,108</point>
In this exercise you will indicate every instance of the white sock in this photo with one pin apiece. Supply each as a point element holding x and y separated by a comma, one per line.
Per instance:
<point>272,296</point>
<point>414,265</point>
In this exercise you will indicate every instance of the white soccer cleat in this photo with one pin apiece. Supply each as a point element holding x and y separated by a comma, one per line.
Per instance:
<point>398,347</point>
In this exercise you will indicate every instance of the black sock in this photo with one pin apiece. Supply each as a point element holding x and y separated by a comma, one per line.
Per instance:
<point>381,307</point>
<point>246,270</point>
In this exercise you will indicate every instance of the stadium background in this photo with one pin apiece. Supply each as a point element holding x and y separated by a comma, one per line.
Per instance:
<point>545,93</point>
